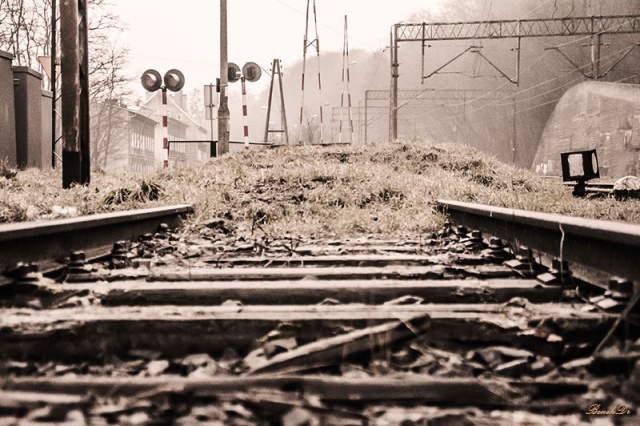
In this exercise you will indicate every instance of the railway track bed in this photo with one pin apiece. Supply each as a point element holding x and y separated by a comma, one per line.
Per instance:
<point>198,326</point>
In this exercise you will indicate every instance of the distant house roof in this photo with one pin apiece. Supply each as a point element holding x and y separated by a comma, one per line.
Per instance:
<point>142,117</point>
<point>184,116</point>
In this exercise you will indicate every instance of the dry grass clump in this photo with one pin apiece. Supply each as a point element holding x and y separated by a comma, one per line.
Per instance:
<point>141,191</point>
<point>387,189</point>
<point>35,194</point>
<point>7,172</point>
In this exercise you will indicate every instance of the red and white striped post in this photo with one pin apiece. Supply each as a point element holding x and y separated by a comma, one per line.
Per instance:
<point>165,127</point>
<point>315,21</point>
<point>244,113</point>
<point>345,84</point>
<point>174,81</point>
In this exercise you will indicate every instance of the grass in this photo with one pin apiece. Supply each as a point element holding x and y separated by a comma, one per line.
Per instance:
<point>387,189</point>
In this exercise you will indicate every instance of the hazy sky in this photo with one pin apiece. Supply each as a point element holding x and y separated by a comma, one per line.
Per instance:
<point>184,34</point>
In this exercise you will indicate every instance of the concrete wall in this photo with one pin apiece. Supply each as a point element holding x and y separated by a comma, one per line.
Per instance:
<point>28,104</point>
<point>7,111</point>
<point>594,115</point>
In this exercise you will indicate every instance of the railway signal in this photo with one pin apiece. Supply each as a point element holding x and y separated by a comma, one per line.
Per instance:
<point>233,72</point>
<point>173,80</point>
<point>151,80</point>
<point>250,72</point>
<point>579,167</point>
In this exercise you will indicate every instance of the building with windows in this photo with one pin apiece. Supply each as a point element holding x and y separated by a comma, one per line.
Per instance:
<point>184,131</point>
<point>142,149</point>
<point>123,138</point>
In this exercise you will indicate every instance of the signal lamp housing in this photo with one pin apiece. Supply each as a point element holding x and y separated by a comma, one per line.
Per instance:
<point>579,166</point>
<point>251,71</point>
<point>234,73</point>
<point>174,80</point>
<point>151,80</point>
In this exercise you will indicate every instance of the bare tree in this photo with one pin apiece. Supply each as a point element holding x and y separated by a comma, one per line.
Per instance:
<point>25,31</point>
<point>310,129</point>
<point>108,114</point>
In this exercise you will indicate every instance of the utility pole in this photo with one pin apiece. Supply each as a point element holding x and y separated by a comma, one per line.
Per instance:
<point>596,43</point>
<point>393,106</point>
<point>514,141</point>
<point>223,110</point>
<point>54,77</point>
<point>75,93</point>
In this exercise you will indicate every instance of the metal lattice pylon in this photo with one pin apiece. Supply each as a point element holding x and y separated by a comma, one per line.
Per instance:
<point>345,85</point>
<point>315,42</point>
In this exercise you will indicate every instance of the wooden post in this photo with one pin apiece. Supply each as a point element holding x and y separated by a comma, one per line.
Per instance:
<point>54,76</point>
<point>85,129</point>
<point>75,93</point>
<point>223,109</point>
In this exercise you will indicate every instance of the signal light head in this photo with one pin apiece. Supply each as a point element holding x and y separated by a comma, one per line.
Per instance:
<point>579,165</point>
<point>233,72</point>
<point>174,80</point>
<point>151,80</point>
<point>251,71</point>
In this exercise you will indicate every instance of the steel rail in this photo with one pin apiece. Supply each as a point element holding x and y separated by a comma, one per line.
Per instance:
<point>595,249</point>
<point>433,390</point>
<point>47,241</point>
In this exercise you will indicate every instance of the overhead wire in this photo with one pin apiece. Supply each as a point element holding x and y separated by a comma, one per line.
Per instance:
<point>612,58</point>
<point>534,10</point>
<point>499,102</point>
<point>548,81</point>
<point>557,46</point>
<point>519,111</point>
<point>553,79</point>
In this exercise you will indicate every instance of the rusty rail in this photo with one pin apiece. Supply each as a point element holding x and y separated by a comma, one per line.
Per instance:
<point>44,242</point>
<point>592,247</point>
<point>356,323</point>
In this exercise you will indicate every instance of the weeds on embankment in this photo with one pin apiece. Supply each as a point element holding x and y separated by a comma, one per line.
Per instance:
<point>386,189</point>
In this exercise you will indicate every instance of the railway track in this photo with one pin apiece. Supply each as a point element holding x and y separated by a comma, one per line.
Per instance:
<point>196,325</point>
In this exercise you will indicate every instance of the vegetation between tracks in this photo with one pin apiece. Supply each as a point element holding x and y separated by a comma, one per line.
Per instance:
<point>387,189</point>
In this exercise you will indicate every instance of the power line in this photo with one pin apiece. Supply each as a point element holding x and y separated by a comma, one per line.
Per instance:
<point>498,103</point>
<point>521,111</point>
<point>515,113</point>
